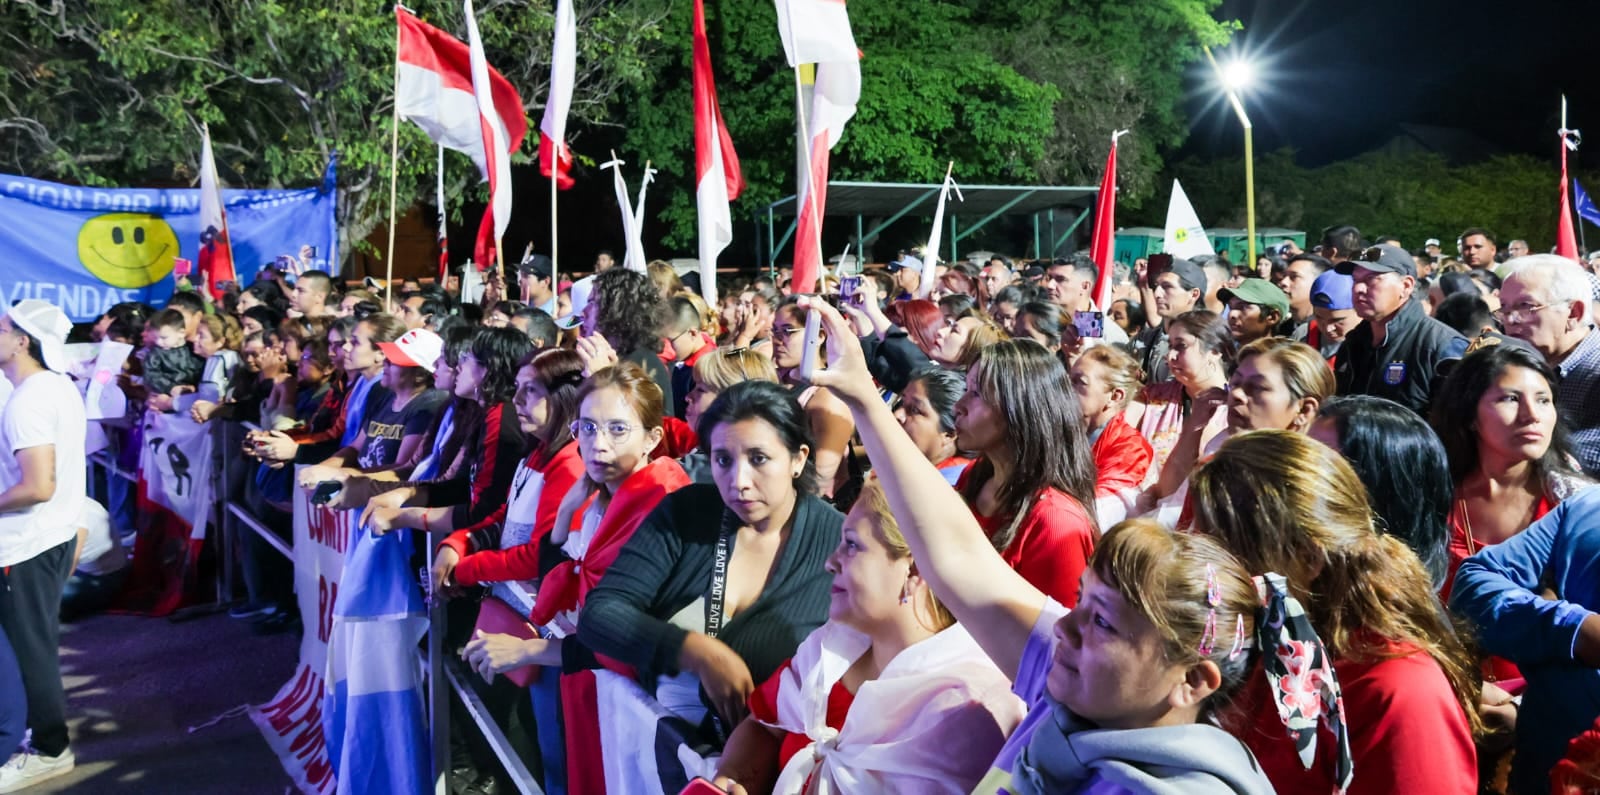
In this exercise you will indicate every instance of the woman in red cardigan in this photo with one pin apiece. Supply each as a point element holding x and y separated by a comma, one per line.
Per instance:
<point>505,546</point>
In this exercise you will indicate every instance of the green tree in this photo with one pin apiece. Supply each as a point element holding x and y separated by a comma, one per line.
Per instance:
<point>109,92</point>
<point>1012,91</point>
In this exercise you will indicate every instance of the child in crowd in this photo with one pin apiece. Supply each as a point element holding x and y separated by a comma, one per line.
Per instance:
<point>171,368</point>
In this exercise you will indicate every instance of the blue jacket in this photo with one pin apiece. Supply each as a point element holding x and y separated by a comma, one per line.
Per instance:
<point>1498,590</point>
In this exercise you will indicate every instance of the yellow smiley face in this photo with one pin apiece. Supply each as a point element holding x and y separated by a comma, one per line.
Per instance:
<point>127,249</point>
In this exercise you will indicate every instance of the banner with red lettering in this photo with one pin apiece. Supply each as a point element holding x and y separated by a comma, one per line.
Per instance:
<point>292,720</point>
<point>174,503</point>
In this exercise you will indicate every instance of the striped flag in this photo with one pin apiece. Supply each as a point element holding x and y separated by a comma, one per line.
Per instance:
<point>718,180</point>
<point>499,141</point>
<point>1103,245</point>
<point>554,154</point>
<point>216,253</point>
<point>818,31</point>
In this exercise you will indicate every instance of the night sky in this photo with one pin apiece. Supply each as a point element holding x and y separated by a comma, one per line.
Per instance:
<point>1338,77</point>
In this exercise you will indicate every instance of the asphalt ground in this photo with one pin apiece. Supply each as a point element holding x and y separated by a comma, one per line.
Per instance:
<point>136,686</point>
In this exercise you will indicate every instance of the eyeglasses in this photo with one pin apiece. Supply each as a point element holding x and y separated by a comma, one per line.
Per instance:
<point>1512,314</point>
<point>586,429</point>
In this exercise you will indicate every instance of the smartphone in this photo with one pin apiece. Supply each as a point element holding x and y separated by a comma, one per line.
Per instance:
<point>1159,264</point>
<point>325,491</point>
<point>813,345</point>
<point>181,267</point>
<point>1089,324</point>
<point>848,286</point>
<point>699,786</point>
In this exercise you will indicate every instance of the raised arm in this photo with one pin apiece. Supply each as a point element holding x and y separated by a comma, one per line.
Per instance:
<point>991,601</point>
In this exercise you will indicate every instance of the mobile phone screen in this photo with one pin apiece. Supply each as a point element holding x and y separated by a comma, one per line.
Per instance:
<point>1089,324</point>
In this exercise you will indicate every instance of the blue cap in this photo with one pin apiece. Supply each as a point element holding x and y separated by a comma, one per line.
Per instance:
<point>1331,290</point>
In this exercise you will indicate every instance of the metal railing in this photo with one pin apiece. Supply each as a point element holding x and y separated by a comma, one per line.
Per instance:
<point>445,676</point>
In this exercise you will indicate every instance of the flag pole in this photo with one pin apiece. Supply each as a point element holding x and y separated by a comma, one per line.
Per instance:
<point>394,175</point>
<point>804,136</point>
<point>555,262</point>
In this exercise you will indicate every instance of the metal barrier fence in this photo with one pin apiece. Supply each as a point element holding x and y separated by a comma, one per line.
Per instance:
<point>446,675</point>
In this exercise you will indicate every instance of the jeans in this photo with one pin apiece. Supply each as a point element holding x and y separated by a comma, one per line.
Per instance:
<point>30,606</point>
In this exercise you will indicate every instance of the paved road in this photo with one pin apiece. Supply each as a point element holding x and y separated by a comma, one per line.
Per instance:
<point>135,686</point>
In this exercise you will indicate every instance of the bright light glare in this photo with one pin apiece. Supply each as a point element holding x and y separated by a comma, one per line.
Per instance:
<point>1238,75</point>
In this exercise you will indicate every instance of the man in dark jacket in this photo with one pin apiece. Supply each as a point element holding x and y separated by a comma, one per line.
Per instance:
<point>1396,351</point>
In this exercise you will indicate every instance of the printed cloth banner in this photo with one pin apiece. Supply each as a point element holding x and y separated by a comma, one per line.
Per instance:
<point>638,747</point>
<point>85,249</point>
<point>174,503</point>
<point>292,720</point>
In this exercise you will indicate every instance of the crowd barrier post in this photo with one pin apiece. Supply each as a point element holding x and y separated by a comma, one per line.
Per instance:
<point>438,690</point>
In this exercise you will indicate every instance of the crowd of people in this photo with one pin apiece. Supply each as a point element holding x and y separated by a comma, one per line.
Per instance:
<point>1324,524</point>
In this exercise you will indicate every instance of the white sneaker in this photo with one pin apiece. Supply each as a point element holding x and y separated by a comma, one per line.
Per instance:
<point>29,767</point>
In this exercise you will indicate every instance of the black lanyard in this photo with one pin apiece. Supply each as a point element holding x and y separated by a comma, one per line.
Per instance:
<point>719,585</point>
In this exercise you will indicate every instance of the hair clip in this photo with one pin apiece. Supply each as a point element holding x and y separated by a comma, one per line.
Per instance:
<point>1240,642</point>
<point>1208,638</point>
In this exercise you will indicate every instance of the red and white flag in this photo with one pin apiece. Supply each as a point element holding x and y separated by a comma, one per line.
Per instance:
<point>1103,244</point>
<point>1566,237</point>
<point>434,90</point>
<point>499,141</point>
<point>554,154</point>
<point>216,253</point>
<point>818,31</point>
<point>718,180</point>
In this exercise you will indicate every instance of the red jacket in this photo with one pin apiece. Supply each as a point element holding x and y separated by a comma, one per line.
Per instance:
<point>1122,458</point>
<point>1052,545</point>
<point>481,558</point>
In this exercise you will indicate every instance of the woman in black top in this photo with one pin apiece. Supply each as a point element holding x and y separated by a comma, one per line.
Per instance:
<point>764,518</point>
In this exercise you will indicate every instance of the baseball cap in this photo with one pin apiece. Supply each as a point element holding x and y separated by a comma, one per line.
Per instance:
<point>47,324</point>
<point>581,290</point>
<point>907,262</point>
<point>1331,290</point>
<point>537,264</point>
<point>1383,258</point>
<point>1260,292</point>
<point>418,347</point>
<point>1432,241</point>
<point>1190,275</point>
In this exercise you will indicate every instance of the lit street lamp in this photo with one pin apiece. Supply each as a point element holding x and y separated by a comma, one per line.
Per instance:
<point>1234,78</point>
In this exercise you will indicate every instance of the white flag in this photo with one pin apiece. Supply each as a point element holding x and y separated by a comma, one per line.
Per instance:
<point>1185,236</point>
<point>815,31</point>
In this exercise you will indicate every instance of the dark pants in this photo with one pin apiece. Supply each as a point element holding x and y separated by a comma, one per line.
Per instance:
<point>30,604</point>
<point>13,707</point>
<point>86,594</point>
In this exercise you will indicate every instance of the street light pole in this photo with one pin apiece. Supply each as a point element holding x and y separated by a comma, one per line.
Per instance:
<point>1228,85</point>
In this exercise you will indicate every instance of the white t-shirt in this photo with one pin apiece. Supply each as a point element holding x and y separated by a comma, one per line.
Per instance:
<point>45,409</point>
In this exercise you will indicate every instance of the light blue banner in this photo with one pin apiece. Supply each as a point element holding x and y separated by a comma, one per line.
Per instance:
<point>85,249</point>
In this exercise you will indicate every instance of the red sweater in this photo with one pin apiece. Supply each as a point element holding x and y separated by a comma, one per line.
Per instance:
<point>1122,458</point>
<point>1052,546</point>
<point>1407,732</point>
<point>482,560</point>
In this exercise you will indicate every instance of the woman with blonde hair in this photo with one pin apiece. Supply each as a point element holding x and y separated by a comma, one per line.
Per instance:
<point>1392,682</point>
<point>1277,383</point>
<point>877,698</point>
<point>1105,379</point>
<point>665,278</point>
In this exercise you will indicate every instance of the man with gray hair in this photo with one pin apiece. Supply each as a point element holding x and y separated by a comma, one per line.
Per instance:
<point>1547,302</point>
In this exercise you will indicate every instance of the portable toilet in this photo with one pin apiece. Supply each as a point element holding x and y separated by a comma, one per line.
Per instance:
<point>1137,241</point>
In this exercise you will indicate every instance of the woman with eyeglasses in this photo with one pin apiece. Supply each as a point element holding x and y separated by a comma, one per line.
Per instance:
<point>831,427</point>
